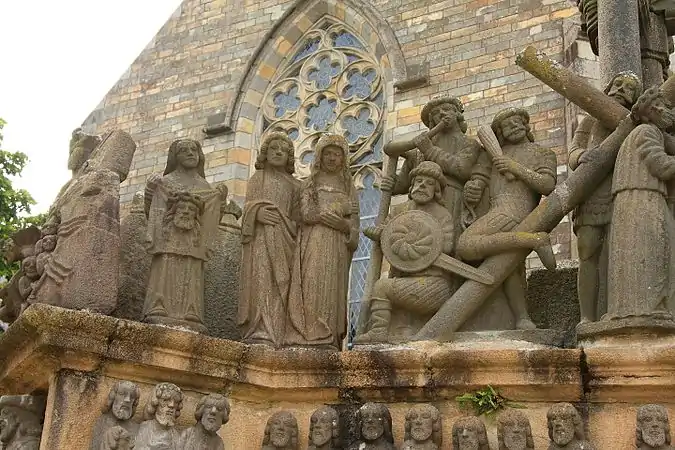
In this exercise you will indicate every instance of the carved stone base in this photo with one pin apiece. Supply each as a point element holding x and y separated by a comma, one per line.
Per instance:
<point>175,323</point>
<point>626,331</point>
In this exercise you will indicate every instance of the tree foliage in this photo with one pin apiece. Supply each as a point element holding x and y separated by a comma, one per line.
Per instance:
<point>15,204</point>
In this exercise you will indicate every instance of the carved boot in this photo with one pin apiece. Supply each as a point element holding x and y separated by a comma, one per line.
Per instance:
<point>380,316</point>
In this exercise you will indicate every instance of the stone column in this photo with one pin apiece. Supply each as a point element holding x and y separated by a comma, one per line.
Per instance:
<point>618,38</point>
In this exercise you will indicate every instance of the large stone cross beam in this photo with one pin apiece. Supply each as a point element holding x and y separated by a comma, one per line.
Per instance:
<point>566,196</point>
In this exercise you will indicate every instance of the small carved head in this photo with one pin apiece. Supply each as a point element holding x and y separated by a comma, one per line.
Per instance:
<point>512,126</point>
<point>469,433</point>
<point>186,153</point>
<point>212,412</point>
<point>331,154</point>
<point>117,438</point>
<point>438,109</point>
<point>29,267</point>
<point>564,424</point>
<point>625,87</point>
<point>184,210</point>
<point>20,415</point>
<point>423,424</point>
<point>428,183</point>
<point>277,150</point>
<point>123,400</point>
<point>653,427</point>
<point>281,431</point>
<point>165,404</point>
<point>374,422</point>
<point>324,427</point>
<point>514,431</point>
<point>653,107</point>
<point>82,146</point>
<point>49,242</point>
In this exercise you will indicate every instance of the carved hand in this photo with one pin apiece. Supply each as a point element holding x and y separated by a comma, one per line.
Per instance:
<point>473,190</point>
<point>267,215</point>
<point>354,208</point>
<point>505,165</point>
<point>330,219</point>
<point>223,191</point>
<point>373,233</point>
<point>387,184</point>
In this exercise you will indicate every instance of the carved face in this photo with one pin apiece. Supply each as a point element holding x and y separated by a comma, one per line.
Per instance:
<point>653,430</point>
<point>8,425</point>
<point>125,443</point>
<point>29,267</point>
<point>277,154</point>
<point>332,159</point>
<point>372,424</point>
<point>623,90</point>
<point>322,430</point>
<point>421,425</point>
<point>442,111</point>
<point>468,439</point>
<point>185,216</point>
<point>188,154</point>
<point>281,433</point>
<point>79,154</point>
<point>49,243</point>
<point>563,430</point>
<point>123,405</point>
<point>213,416</point>
<point>660,114</point>
<point>166,411</point>
<point>423,189</point>
<point>515,436</point>
<point>514,129</point>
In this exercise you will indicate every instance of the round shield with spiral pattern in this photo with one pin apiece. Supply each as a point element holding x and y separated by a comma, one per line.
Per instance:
<point>412,241</point>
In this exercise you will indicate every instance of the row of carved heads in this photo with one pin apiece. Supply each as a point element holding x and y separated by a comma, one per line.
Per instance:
<point>21,419</point>
<point>116,429</point>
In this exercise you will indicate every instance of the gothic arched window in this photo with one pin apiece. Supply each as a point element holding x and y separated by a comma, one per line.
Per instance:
<point>331,82</point>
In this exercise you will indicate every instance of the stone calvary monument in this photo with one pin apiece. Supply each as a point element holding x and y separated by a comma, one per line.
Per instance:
<point>173,327</point>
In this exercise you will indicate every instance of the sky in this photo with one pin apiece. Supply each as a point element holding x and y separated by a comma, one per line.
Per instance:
<point>58,59</point>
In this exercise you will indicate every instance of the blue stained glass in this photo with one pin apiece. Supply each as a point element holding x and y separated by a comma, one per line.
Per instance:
<point>310,47</point>
<point>286,101</point>
<point>351,58</point>
<point>321,114</point>
<point>346,39</point>
<point>360,126</point>
<point>323,75</point>
<point>293,133</point>
<point>359,84</point>
<point>307,158</point>
<point>374,155</point>
<point>379,99</point>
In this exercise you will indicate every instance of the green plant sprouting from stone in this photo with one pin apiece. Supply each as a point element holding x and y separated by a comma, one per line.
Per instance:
<point>486,401</point>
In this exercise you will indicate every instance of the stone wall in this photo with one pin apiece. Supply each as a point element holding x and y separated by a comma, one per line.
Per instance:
<point>212,62</point>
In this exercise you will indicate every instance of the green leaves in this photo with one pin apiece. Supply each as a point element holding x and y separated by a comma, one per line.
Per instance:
<point>486,401</point>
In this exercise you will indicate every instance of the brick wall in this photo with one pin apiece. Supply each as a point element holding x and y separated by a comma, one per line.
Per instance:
<point>191,72</point>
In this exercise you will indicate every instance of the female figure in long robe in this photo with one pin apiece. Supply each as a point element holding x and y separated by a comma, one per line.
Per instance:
<point>268,238</point>
<point>327,238</point>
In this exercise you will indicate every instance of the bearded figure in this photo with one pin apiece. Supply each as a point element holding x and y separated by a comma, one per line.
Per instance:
<point>281,432</point>
<point>158,432</point>
<point>514,431</point>
<point>423,428</point>
<point>120,407</point>
<point>565,428</point>
<point>653,428</point>
<point>324,430</point>
<point>468,433</point>
<point>21,418</point>
<point>373,428</point>
<point>212,412</point>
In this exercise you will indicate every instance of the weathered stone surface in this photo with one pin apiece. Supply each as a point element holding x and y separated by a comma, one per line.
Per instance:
<point>324,429</point>
<point>652,428</point>
<point>21,246</point>
<point>374,428</point>
<point>212,412</point>
<point>118,410</point>
<point>566,429</point>
<point>469,433</point>
<point>423,428</point>
<point>158,431</point>
<point>281,432</point>
<point>514,431</point>
<point>21,418</point>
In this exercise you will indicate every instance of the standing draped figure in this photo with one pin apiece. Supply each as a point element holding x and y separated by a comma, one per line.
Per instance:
<point>268,238</point>
<point>183,214</point>
<point>327,237</point>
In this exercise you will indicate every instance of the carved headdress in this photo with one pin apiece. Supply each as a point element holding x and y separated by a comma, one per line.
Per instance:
<point>430,169</point>
<point>630,76</point>
<point>429,107</point>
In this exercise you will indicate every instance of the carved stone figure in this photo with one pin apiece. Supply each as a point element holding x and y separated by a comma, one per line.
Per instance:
<point>424,288</point>
<point>514,431</point>
<point>653,428</point>
<point>519,178</point>
<point>373,428</point>
<point>183,214</point>
<point>84,219</point>
<point>281,432</point>
<point>641,278</point>
<point>268,238</point>
<point>324,430</point>
<point>118,411</point>
<point>593,217</point>
<point>423,428</point>
<point>211,413</point>
<point>21,418</point>
<point>19,247</point>
<point>565,428</point>
<point>158,431</point>
<point>468,433</point>
<point>116,438</point>
<point>327,237</point>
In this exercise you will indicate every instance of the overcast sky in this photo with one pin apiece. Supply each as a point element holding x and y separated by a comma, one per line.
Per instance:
<point>58,59</point>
